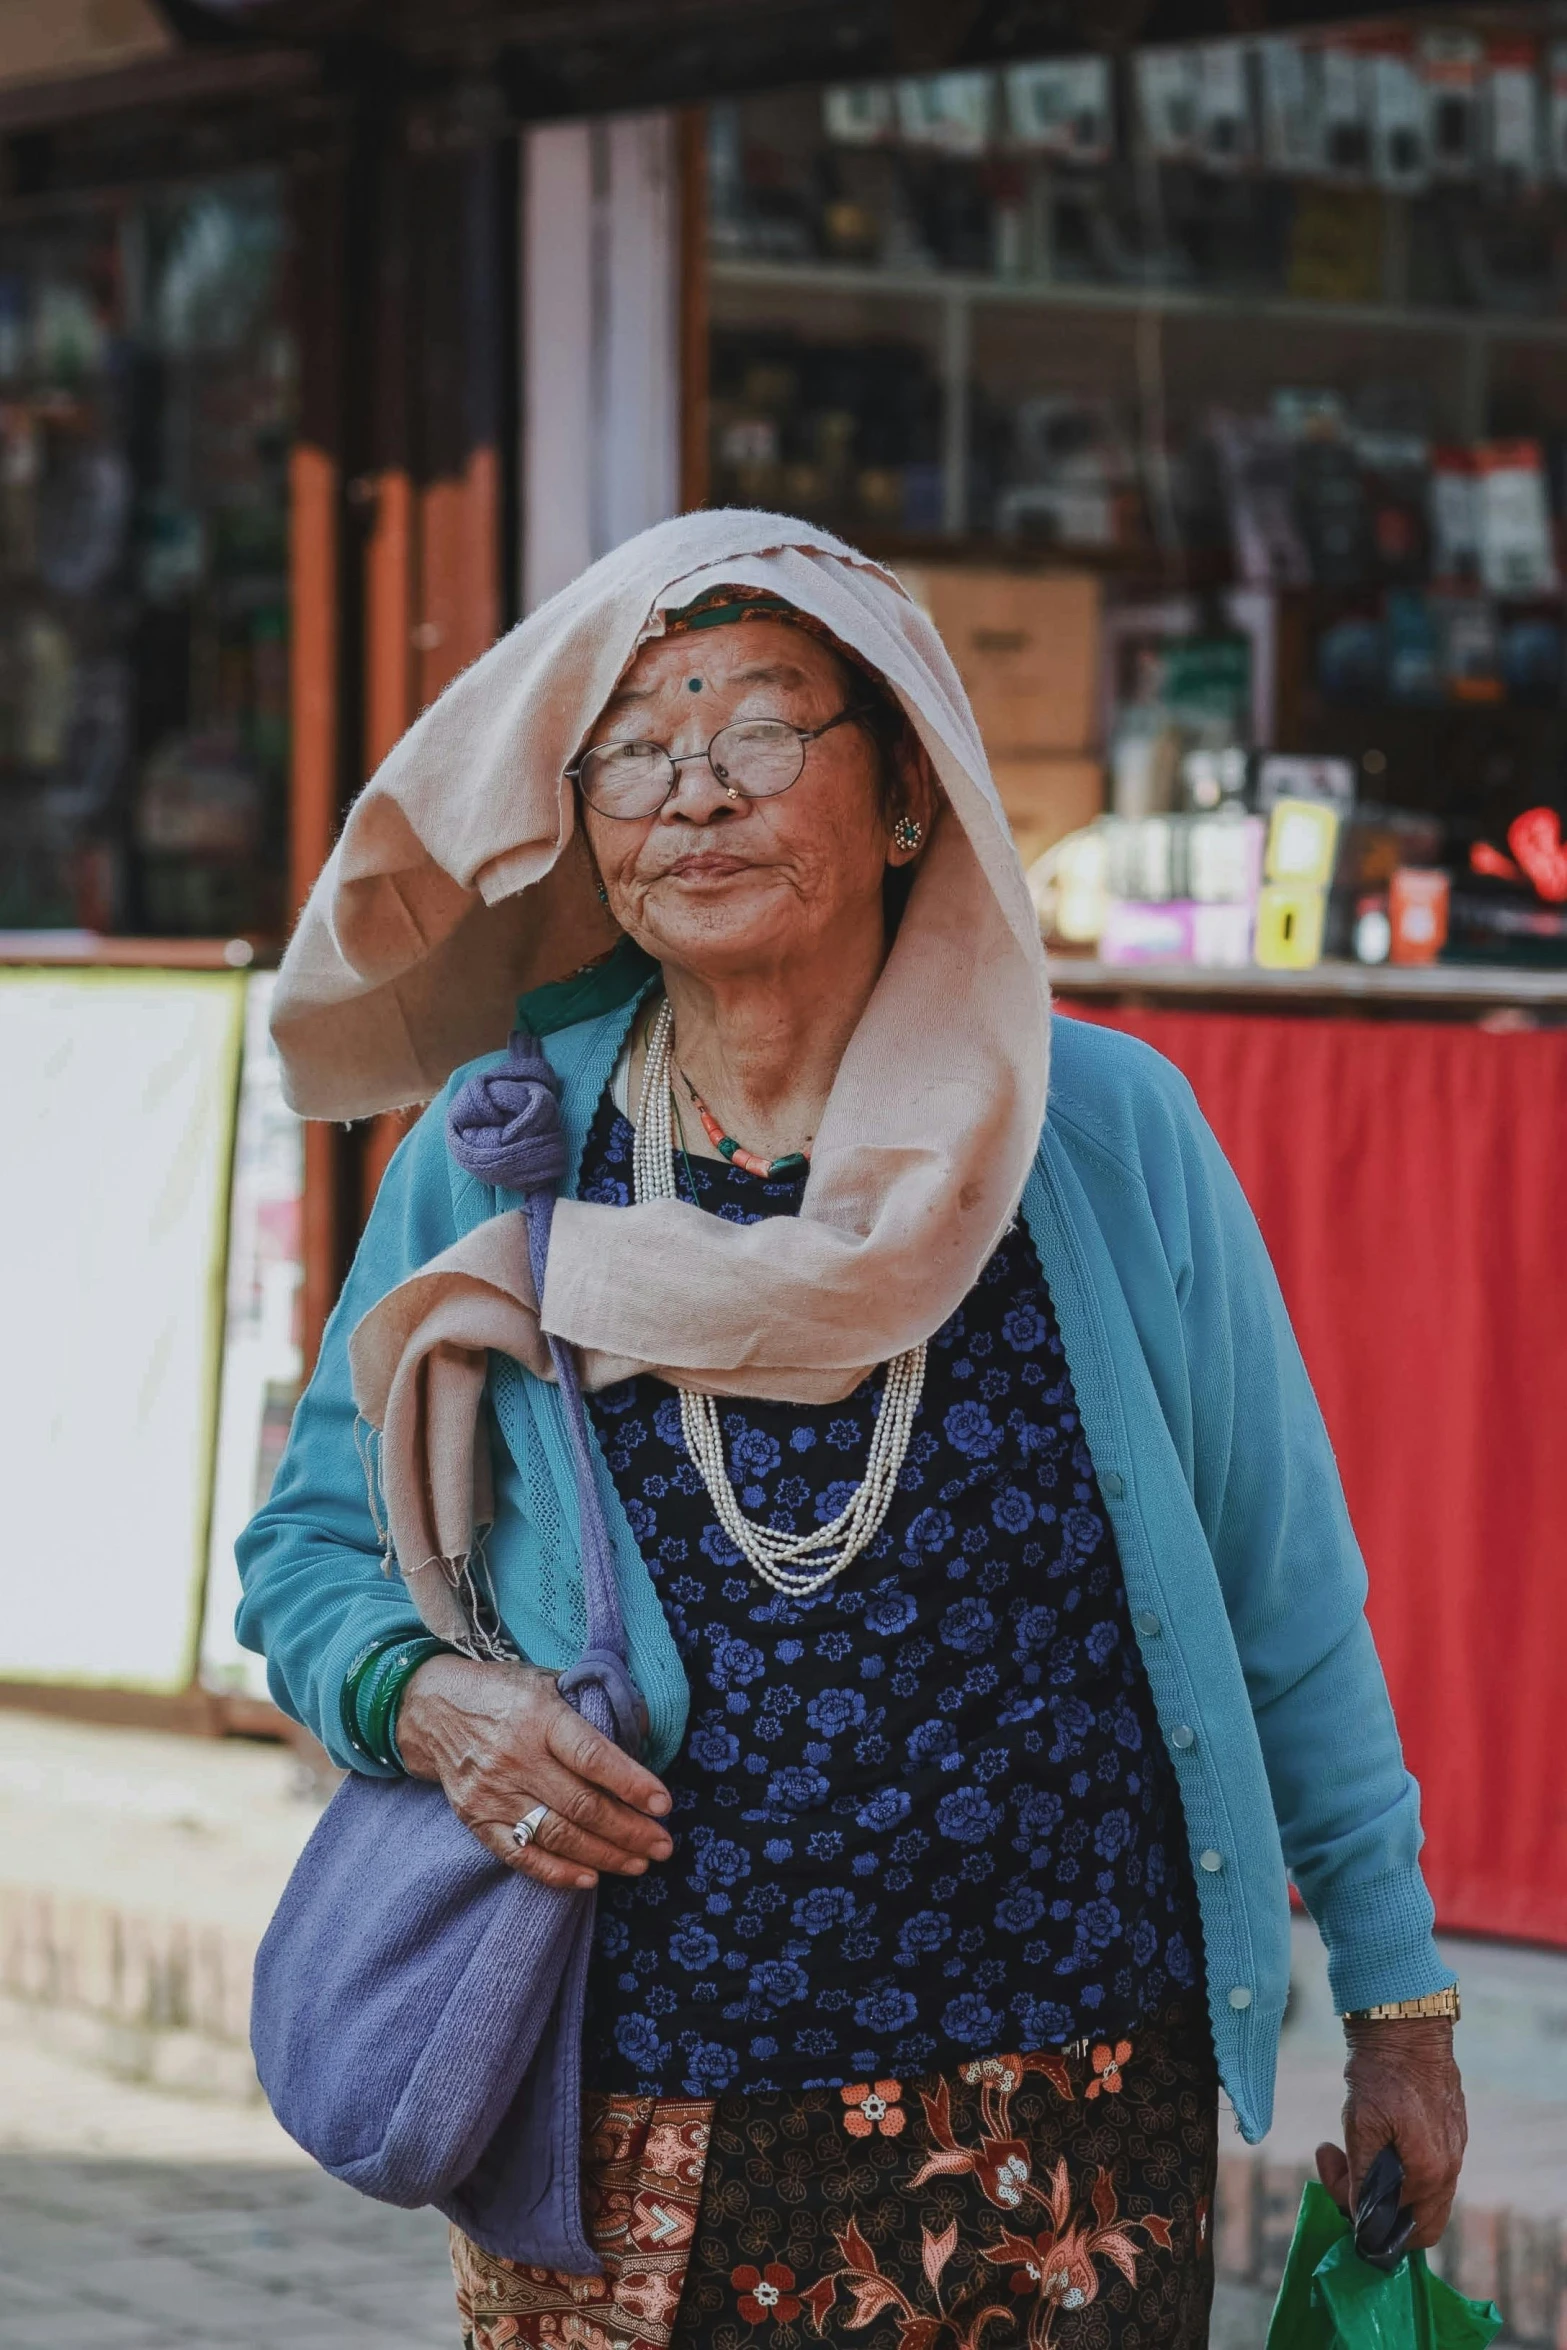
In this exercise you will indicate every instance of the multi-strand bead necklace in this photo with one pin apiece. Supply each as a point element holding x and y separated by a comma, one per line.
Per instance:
<point>795,1564</point>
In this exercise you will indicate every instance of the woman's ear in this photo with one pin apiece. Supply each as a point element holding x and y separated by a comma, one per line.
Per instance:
<point>918,797</point>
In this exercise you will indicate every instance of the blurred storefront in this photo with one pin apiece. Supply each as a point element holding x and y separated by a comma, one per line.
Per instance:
<point>1213,397</point>
<point>1211,391</point>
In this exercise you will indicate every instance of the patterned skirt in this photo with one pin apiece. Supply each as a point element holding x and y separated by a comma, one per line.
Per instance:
<point>1054,2201</point>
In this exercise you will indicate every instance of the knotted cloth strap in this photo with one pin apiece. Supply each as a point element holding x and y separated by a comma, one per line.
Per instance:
<point>503,1127</point>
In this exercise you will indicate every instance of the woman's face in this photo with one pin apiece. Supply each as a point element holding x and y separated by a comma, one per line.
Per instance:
<point>715,883</point>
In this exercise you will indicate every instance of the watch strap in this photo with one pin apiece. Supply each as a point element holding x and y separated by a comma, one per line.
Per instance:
<point>1440,2004</point>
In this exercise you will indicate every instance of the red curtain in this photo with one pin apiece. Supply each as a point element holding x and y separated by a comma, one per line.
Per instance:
<point>1408,1179</point>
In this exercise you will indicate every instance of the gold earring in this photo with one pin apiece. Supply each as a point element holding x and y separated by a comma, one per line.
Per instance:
<point>908,832</point>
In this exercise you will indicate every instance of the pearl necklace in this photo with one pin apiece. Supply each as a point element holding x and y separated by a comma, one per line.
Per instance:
<point>795,1564</point>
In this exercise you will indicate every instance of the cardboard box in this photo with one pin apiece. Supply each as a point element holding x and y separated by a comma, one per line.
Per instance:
<point>1027,648</point>
<point>1047,798</point>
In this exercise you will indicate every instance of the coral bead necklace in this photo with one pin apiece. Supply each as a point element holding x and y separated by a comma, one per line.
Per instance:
<point>791,1162</point>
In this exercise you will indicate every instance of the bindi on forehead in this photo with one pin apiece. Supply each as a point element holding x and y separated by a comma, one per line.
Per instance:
<point>693,685</point>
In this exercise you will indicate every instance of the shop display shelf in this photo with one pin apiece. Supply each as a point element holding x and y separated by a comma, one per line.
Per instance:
<point>971,290</point>
<point>1455,984</point>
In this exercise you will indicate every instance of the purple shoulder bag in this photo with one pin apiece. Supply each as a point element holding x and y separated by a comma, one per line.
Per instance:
<point>417,2008</point>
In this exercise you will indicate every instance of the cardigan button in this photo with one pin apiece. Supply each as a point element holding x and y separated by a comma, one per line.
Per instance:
<point>1112,1484</point>
<point>1211,1861</point>
<point>1240,1997</point>
<point>1183,1735</point>
<point>1147,1625</point>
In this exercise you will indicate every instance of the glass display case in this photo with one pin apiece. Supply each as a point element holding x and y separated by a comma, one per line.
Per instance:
<point>1267,336</point>
<point>147,393</point>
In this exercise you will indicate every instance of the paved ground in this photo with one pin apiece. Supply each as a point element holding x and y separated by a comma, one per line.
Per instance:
<point>131,2220</point>
<point>136,2220</point>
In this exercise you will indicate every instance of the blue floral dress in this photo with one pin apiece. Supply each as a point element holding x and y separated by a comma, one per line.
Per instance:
<point>928,1813</point>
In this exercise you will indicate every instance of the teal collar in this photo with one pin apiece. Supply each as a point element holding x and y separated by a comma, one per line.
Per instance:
<point>616,979</point>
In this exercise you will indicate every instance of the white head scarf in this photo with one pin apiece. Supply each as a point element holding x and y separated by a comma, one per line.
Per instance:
<point>458,880</point>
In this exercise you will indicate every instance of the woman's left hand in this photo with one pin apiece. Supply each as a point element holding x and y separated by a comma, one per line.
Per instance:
<point>1403,2087</point>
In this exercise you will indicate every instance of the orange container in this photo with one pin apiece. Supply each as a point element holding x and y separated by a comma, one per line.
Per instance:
<point>1417,910</point>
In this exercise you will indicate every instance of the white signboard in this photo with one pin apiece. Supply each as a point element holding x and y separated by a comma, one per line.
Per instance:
<point>114,1176</point>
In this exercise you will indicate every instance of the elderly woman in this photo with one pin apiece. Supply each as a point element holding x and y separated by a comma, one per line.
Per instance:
<point>985,1571</point>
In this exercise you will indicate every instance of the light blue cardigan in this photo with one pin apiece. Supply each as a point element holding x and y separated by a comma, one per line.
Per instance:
<point>1246,1586</point>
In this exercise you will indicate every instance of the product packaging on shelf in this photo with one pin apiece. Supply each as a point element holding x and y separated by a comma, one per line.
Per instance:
<point>1514,520</point>
<point>1064,108</point>
<point>1417,914</point>
<point>1287,776</point>
<point>1291,116</point>
<point>1290,919</point>
<point>1302,843</point>
<point>1450,62</point>
<point>1400,140</point>
<point>1166,85</point>
<point>1512,110</point>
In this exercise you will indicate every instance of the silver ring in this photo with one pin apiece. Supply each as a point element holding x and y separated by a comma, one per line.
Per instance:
<point>530,1824</point>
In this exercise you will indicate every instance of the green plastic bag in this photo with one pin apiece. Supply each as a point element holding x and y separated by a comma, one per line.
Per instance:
<point>1331,2299</point>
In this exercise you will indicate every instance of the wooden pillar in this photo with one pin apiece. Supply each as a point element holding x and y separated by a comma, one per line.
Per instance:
<point>433,589</point>
<point>695,320</point>
<point>459,572</point>
<point>391,572</point>
<point>458,261</point>
<point>314,490</point>
<point>316,579</point>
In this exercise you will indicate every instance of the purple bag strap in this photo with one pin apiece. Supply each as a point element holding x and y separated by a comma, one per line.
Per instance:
<point>504,1127</point>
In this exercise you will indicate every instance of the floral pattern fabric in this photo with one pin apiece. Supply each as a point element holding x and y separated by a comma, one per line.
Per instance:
<point>927,1813</point>
<point>1037,2201</point>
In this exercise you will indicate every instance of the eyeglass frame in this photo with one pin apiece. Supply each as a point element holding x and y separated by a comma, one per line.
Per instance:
<point>806,735</point>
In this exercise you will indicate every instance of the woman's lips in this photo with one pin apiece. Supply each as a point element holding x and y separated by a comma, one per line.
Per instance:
<point>706,868</point>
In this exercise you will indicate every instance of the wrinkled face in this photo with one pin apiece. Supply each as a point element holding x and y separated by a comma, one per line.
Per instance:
<point>711,881</point>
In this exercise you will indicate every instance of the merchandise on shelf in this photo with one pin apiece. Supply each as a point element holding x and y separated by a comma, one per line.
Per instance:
<point>146,404</point>
<point>1264,335</point>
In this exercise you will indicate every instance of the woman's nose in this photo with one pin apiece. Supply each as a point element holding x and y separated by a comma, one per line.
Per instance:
<point>699,797</point>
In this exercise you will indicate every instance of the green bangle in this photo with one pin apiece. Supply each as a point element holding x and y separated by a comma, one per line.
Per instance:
<point>374,1688</point>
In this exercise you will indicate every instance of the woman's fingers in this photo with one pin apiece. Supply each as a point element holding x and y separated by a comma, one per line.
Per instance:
<point>586,1753</point>
<point>581,1826</point>
<point>500,1739</point>
<point>533,1860</point>
<point>617,1835</point>
<point>1333,2171</point>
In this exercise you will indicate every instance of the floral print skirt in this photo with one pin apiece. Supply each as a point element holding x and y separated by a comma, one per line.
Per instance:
<point>1054,2201</point>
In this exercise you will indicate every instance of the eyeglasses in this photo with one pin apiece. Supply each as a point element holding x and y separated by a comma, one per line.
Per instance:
<point>754,759</point>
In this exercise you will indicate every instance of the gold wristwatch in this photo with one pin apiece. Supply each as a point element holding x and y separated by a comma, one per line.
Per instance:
<point>1443,2004</point>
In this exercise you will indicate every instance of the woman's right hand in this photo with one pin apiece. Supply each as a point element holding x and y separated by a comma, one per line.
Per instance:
<point>500,1738</point>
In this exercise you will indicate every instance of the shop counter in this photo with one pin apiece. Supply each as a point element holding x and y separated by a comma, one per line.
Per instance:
<point>1405,1158</point>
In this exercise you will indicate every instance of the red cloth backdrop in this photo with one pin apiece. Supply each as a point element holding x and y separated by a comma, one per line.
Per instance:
<point>1411,1182</point>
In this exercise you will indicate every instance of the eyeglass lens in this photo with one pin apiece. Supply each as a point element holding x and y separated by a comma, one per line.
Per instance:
<point>755,756</point>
